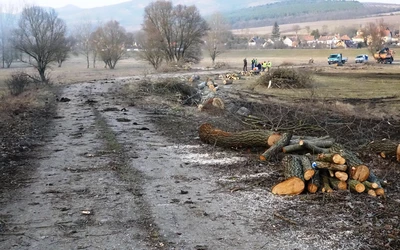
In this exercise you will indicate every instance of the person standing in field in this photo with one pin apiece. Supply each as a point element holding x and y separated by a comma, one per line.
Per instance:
<point>245,65</point>
<point>264,65</point>
<point>269,65</point>
<point>253,63</point>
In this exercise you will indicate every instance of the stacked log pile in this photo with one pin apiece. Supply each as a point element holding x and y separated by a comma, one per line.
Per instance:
<point>311,164</point>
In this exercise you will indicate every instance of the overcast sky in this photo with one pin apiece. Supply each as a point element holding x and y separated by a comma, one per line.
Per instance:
<point>98,3</point>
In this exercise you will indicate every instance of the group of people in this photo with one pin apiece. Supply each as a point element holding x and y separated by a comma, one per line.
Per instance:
<point>257,66</point>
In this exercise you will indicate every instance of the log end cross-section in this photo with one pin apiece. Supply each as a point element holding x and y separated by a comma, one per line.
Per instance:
<point>290,186</point>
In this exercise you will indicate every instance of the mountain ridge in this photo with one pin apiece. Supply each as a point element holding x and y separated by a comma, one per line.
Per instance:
<point>130,14</point>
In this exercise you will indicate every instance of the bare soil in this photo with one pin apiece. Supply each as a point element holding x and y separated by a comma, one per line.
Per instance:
<point>119,166</point>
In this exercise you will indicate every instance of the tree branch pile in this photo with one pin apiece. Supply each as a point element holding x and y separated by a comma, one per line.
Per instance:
<point>311,164</point>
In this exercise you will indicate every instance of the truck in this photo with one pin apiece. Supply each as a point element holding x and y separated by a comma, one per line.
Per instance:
<point>384,55</point>
<point>337,59</point>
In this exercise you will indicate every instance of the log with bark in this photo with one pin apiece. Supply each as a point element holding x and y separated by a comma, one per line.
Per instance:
<point>356,186</point>
<point>329,166</point>
<point>326,187</point>
<point>308,170</point>
<point>276,147</point>
<point>293,172</point>
<point>385,148</point>
<point>337,184</point>
<point>249,138</point>
<point>332,158</point>
<point>315,183</point>
<point>334,167</point>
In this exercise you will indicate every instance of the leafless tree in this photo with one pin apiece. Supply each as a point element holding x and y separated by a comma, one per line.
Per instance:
<point>374,34</point>
<point>82,34</point>
<point>151,50</point>
<point>109,40</point>
<point>41,35</point>
<point>64,50</point>
<point>177,28</point>
<point>217,36</point>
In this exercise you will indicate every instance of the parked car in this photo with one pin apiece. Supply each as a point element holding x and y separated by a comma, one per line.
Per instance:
<point>361,58</point>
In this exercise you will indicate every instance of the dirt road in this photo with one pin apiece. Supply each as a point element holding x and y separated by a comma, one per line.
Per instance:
<point>107,179</point>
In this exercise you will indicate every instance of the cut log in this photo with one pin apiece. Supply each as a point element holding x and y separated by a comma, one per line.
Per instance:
<point>380,191</point>
<point>342,176</point>
<point>227,81</point>
<point>273,138</point>
<point>326,187</point>
<point>315,183</point>
<point>291,186</point>
<point>308,170</point>
<point>371,192</point>
<point>356,186</point>
<point>333,158</point>
<point>313,148</point>
<point>276,148</point>
<point>292,148</point>
<point>337,184</point>
<point>372,178</point>
<point>330,166</point>
<point>361,173</point>
<point>293,172</point>
<point>248,138</point>
<point>351,159</point>
<point>292,167</point>
<point>370,185</point>
<point>386,148</point>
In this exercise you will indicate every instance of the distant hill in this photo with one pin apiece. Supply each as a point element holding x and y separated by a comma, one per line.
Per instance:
<point>130,14</point>
<point>241,14</point>
<point>297,11</point>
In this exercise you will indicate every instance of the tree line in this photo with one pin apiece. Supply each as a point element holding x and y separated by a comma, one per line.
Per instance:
<point>169,34</point>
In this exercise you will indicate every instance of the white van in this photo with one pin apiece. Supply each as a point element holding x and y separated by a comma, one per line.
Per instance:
<point>361,58</point>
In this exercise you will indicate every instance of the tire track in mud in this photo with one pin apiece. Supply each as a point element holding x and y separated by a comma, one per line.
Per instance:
<point>75,199</point>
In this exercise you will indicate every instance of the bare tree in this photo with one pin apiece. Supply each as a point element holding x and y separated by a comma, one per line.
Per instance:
<point>82,34</point>
<point>63,52</point>
<point>217,36</point>
<point>375,33</point>
<point>151,49</point>
<point>109,40</point>
<point>40,34</point>
<point>178,28</point>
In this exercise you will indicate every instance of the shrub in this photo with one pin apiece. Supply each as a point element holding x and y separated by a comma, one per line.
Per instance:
<point>283,77</point>
<point>18,82</point>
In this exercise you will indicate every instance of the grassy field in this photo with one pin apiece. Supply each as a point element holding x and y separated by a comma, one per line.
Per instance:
<point>279,56</point>
<point>354,81</point>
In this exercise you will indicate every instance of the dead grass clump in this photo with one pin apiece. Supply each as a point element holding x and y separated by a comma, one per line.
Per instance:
<point>173,89</point>
<point>18,82</point>
<point>287,78</point>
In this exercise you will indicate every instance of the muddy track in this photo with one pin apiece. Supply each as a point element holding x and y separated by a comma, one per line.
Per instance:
<point>107,178</point>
